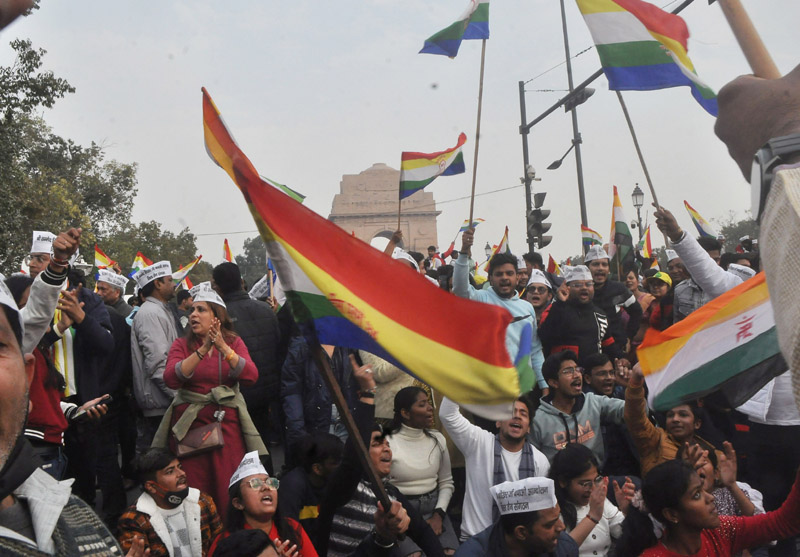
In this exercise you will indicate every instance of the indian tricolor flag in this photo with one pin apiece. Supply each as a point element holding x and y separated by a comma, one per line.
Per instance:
<point>472,24</point>
<point>729,345</point>
<point>337,303</point>
<point>701,224</point>
<point>642,47</point>
<point>417,170</point>
<point>589,237</point>
<point>621,241</point>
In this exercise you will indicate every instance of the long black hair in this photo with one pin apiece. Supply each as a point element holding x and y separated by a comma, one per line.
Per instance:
<point>404,399</point>
<point>236,520</point>
<point>569,463</point>
<point>663,488</point>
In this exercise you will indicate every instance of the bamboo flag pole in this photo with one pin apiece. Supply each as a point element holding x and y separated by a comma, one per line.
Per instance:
<point>399,202</point>
<point>749,41</point>
<point>641,157</point>
<point>477,134</point>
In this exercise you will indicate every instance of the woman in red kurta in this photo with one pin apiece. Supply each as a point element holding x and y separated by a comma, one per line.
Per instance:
<point>674,495</point>
<point>194,364</point>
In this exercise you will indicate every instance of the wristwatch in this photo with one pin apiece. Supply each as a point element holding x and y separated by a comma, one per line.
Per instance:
<point>776,151</point>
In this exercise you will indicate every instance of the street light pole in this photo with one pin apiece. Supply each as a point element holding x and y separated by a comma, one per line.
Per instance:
<point>526,177</point>
<point>638,201</point>
<point>576,135</point>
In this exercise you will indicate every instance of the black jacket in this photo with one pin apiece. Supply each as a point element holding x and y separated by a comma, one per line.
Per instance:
<point>582,328</point>
<point>612,299</point>
<point>256,324</point>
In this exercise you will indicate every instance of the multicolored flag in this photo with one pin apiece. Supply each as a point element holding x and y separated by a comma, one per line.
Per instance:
<point>590,237</point>
<point>336,303</point>
<point>642,47</point>
<point>226,252</point>
<point>465,226</point>
<point>502,247</point>
<point>644,246</point>
<point>101,260</point>
<point>417,170</point>
<point>449,250</point>
<point>621,241</point>
<point>182,274</point>
<point>472,24</point>
<point>701,224</point>
<point>553,268</point>
<point>729,344</point>
<point>139,263</point>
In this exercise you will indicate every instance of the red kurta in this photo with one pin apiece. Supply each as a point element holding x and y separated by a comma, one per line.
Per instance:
<point>306,548</point>
<point>736,533</point>
<point>210,472</point>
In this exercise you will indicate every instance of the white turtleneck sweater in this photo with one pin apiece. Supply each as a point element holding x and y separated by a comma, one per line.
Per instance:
<point>421,464</point>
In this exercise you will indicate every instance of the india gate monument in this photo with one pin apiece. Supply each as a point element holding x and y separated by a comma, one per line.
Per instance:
<point>366,206</point>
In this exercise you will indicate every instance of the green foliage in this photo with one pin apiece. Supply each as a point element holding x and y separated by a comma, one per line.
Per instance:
<point>734,229</point>
<point>253,264</point>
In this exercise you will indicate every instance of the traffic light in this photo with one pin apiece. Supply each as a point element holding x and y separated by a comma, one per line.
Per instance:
<point>537,227</point>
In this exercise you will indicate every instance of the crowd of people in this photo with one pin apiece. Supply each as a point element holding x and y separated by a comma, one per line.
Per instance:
<point>168,402</point>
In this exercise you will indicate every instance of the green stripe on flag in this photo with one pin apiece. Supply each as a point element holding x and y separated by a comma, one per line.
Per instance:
<point>636,53</point>
<point>709,376</point>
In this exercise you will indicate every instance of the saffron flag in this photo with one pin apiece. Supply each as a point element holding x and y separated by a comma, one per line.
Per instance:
<point>729,344</point>
<point>473,24</point>
<point>101,260</point>
<point>182,273</point>
<point>417,170</point>
<point>139,263</point>
<point>226,252</point>
<point>589,237</point>
<point>644,246</point>
<point>336,303</point>
<point>621,241</point>
<point>701,224</point>
<point>642,47</point>
<point>465,226</point>
<point>553,268</point>
<point>502,247</point>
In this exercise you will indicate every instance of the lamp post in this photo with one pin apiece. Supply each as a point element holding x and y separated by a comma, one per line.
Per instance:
<point>638,201</point>
<point>487,249</point>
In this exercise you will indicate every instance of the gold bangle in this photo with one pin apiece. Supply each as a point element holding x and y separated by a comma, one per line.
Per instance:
<point>230,356</point>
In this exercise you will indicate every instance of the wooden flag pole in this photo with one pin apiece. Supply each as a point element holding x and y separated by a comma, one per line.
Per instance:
<point>477,133</point>
<point>321,360</point>
<point>641,157</point>
<point>271,287</point>
<point>749,41</point>
<point>399,203</point>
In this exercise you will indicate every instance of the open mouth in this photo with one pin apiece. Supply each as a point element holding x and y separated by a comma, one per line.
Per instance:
<point>515,426</point>
<point>267,498</point>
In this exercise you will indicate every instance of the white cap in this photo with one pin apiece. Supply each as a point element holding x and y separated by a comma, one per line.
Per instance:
<point>400,253</point>
<point>249,466</point>
<point>672,254</point>
<point>524,496</point>
<point>7,300</point>
<point>538,277</point>
<point>112,278</point>
<point>595,252</point>
<point>42,242</point>
<point>578,272</point>
<point>744,273</point>
<point>204,293</point>
<point>521,263</point>
<point>153,272</point>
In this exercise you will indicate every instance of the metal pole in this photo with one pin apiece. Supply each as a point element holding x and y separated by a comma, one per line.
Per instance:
<point>523,130</point>
<point>639,222</point>
<point>576,134</point>
<point>477,135</point>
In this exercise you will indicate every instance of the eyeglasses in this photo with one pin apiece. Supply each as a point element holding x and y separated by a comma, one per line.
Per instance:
<point>258,483</point>
<point>537,289</point>
<point>586,484</point>
<point>570,371</point>
<point>577,284</point>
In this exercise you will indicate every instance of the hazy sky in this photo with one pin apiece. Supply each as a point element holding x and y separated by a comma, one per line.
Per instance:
<point>315,90</point>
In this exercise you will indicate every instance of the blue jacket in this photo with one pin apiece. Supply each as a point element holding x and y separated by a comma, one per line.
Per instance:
<point>305,398</point>
<point>492,542</point>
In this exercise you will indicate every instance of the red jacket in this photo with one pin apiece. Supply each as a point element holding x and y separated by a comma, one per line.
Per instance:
<point>46,421</point>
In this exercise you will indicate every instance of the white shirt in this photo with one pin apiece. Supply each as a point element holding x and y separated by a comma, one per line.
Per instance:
<point>598,542</point>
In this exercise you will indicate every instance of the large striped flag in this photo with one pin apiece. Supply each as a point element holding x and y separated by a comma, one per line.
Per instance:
<point>701,224</point>
<point>417,170</point>
<point>589,238</point>
<point>620,242</point>
<point>101,260</point>
<point>473,24</point>
<point>226,252</point>
<point>336,303</point>
<point>729,344</point>
<point>502,247</point>
<point>642,47</point>
<point>644,246</point>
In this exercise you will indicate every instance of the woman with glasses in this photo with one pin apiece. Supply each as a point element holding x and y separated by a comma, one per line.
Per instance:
<point>591,519</point>
<point>253,504</point>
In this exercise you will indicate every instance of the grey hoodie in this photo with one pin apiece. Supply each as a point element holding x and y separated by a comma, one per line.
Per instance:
<point>552,429</point>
